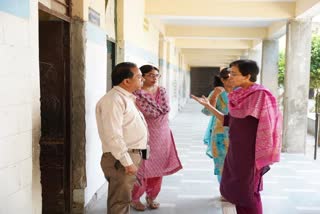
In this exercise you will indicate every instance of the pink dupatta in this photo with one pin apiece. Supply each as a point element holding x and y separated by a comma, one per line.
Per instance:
<point>258,102</point>
<point>153,106</point>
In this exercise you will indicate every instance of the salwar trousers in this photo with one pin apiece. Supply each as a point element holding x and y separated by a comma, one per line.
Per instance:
<point>150,186</point>
<point>256,208</point>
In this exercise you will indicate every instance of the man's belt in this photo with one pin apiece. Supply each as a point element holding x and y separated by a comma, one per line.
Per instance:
<point>134,150</point>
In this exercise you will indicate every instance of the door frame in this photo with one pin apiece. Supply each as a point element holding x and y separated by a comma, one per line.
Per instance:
<point>67,94</point>
<point>59,14</point>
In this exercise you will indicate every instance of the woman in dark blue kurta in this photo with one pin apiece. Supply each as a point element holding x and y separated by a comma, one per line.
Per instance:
<point>254,131</point>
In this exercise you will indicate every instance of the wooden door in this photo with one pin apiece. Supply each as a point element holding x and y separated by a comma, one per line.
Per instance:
<point>55,157</point>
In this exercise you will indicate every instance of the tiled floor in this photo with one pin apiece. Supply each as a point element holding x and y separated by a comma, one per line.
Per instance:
<point>291,187</point>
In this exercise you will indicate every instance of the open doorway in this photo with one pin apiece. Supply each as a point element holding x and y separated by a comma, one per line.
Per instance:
<point>55,147</point>
<point>202,80</point>
<point>111,60</point>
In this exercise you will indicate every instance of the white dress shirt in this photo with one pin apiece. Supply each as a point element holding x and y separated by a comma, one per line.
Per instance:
<point>121,125</point>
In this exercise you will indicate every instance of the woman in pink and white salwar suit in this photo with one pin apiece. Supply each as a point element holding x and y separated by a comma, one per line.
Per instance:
<point>153,102</point>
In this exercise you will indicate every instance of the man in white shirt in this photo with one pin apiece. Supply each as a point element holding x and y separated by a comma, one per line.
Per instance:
<point>123,133</point>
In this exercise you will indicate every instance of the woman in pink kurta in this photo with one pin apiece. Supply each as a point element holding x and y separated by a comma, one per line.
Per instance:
<point>153,102</point>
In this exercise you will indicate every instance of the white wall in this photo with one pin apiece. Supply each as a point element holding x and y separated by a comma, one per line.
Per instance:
<point>140,44</point>
<point>18,74</point>
<point>140,41</point>
<point>188,84</point>
<point>110,23</point>
<point>95,88</point>
<point>185,86</point>
<point>173,80</point>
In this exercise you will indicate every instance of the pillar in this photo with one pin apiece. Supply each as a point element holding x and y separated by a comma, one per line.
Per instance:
<point>256,55</point>
<point>298,56</point>
<point>163,60</point>
<point>269,65</point>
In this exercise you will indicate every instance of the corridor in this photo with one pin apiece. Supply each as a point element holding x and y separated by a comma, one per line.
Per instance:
<point>290,187</point>
<point>57,57</point>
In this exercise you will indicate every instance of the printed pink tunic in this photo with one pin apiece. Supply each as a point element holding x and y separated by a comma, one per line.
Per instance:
<point>163,158</point>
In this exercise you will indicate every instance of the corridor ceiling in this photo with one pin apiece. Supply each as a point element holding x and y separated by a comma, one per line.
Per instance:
<point>215,32</point>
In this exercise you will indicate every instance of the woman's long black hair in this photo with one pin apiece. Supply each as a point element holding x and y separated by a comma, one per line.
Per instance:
<point>224,74</point>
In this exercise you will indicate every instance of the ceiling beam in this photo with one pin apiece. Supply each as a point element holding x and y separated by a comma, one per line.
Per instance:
<point>179,31</point>
<point>207,62</point>
<point>213,44</point>
<point>214,58</point>
<point>220,52</point>
<point>224,9</point>
<point>277,29</point>
<point>307,8</point>
<point>220,65</point>
<point>255,43</point>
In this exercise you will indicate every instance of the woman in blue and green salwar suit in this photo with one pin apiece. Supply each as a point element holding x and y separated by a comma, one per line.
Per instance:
<point>217,136</point>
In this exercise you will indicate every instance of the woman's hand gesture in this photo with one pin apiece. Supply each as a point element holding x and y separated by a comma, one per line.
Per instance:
<point>202,100</point>
<point>206,103</point>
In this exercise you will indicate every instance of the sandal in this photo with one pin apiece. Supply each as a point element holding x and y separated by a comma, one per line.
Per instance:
<point>152,204</point>
<point>138,206</point>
